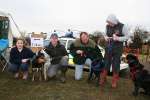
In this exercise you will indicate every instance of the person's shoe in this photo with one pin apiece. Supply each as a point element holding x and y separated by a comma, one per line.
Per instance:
<point>103,76</point>
<point>115,80</point>
<point>25,76</point>
<point>114,84</point>
<point>16,76</point>
<point>63,79</point>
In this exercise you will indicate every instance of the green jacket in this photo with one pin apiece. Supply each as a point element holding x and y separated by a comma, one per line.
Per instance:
<point>90,50</point>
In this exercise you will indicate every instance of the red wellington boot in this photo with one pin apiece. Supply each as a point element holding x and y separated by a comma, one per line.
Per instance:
<point>103,76</point>
<point>115,80</point>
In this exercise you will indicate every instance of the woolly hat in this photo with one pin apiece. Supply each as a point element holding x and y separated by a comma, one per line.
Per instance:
<point>54,35</point>
<point>113,19</point>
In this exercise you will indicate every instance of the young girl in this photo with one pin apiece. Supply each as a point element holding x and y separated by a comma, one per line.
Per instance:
<point>19,59</point>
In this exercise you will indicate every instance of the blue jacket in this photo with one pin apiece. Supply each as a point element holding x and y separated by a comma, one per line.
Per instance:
<point>16,56</point>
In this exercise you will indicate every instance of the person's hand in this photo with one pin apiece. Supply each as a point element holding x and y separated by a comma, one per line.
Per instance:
<point>115,37</point>
<point>129,41</point>
<point>24,60</point>
<point>79,51</point>
<point>66,57</point>
<point>107,38</point>
<point>41,60</point>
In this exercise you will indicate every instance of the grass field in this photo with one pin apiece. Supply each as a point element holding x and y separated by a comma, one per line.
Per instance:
<point>11,89</point>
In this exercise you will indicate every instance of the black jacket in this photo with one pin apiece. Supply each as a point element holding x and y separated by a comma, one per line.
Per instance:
<point>117,46</point>
<point>16,56</point>
<point>56,53</point>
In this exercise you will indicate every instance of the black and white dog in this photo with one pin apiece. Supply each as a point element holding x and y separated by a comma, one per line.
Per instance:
<point>139,75</point>
<point>46,64</point>
<point>96,68</point>
<point>40,65</point>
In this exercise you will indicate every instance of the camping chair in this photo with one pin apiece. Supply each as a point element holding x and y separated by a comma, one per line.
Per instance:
<point>3,53</point>
<point>4,41</point>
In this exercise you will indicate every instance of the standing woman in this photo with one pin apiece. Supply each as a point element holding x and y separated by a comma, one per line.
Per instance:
<point>19,59</point>
<point>116,34</point>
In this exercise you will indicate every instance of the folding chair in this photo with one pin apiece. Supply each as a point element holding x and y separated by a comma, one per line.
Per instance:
<point>4,54</point>
<point>3,62</point>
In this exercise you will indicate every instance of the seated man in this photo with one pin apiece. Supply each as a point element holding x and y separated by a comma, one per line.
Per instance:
<point>59,57</point>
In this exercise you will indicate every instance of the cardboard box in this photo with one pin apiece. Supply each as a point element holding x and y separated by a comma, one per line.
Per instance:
<point>37,42</point>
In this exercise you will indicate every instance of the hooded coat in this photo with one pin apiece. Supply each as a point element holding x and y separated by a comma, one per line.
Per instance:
<point>90,50</point>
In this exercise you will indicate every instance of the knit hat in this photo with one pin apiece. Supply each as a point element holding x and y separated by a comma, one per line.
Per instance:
<point>54,35</point>
<point>113,19</point>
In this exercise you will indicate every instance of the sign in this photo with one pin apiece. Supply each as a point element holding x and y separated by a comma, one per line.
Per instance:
<point>37,42</point>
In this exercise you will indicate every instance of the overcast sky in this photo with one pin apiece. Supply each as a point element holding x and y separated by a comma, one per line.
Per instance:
<point>84,15</point>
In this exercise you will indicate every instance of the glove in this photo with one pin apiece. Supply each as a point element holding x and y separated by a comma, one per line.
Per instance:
<point>115,37</point>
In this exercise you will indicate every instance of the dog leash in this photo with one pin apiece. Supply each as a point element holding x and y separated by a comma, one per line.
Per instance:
<point>110,45</point>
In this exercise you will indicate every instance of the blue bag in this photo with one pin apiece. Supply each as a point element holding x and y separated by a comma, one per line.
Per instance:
<point>3,44</point>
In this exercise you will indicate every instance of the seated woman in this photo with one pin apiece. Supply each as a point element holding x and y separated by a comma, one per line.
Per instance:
<point>19,59</point>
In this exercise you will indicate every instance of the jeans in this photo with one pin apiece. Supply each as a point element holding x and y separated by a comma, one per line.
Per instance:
<point>14,68</point>
<point>79,69</point>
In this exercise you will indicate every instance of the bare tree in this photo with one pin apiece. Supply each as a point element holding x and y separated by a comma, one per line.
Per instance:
<point>137,38</point>
<point>98,37</point>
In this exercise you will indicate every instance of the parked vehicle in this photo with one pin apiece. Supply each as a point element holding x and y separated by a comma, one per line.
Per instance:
<point>67,42</point>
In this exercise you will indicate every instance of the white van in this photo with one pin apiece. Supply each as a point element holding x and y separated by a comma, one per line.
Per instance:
<point>67,42</point>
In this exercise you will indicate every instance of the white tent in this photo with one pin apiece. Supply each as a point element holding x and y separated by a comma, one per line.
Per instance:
<point>13,28</point>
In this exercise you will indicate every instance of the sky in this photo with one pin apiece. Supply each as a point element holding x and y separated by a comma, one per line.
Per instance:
<point>80,15</point>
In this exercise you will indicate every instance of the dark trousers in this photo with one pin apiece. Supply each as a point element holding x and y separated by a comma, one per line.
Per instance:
<point>14,68</point>
<point>112,58</point>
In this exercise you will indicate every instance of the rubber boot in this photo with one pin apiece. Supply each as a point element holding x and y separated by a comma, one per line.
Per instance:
<point>103,76</point>
<point>63,74</point>
<point>63,77</point>
<point>115,79</point>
